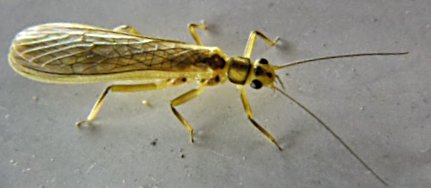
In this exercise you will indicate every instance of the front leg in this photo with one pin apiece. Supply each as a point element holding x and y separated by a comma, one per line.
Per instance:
<point>252,40</point>
<point>249,112</point>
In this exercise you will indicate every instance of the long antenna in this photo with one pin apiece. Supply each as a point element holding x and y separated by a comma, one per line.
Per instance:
<point>336,57</point>
<point>333,134</point>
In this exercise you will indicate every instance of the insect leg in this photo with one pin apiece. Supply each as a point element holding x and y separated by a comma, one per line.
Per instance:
<point>192,29</point>
<point>185,97</point>
<point>252,40</point>
<point>249,112</point>
<point>119,88</point>
<point>127,29</point>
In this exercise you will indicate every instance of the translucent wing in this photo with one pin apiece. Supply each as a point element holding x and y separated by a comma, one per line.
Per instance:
<point>74,49</point>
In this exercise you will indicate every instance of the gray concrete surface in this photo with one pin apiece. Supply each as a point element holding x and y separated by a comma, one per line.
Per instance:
<point>380,106</point>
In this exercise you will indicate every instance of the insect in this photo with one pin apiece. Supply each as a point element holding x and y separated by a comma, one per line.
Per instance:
<point>77,54</point>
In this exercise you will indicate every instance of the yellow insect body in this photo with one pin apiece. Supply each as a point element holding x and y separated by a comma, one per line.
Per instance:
<point>75,53</point>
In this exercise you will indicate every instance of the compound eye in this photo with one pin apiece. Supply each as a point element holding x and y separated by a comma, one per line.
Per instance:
<point>263,61</point>
<point>256,84</point>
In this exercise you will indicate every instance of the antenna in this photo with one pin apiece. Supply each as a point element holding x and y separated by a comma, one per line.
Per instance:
<point>294,63</point>
<point>333,134</point>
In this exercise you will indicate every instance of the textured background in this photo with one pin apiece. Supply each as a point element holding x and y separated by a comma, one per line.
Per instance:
<point>379,105</point>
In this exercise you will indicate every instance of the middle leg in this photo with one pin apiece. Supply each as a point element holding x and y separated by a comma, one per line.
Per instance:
<point>192,29</point>
<point>127,29</point>
<point>185,97</point>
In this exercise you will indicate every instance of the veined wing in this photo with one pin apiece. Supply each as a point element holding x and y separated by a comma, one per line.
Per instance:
<point>80,50</point>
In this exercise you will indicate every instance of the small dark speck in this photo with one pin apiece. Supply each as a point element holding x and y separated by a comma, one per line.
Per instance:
<point>182,156</point>
<point>270,4</point>
<point>318,182</point>
<point>428,116</point>
<point>375,20</point>
<point>287,74</point>
<point>413,106</point>
<point>324,45</point>
<point>154,142</point>
<point>425,100</point>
